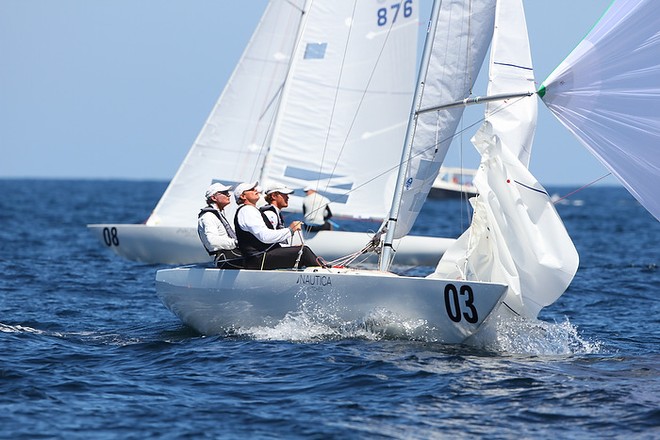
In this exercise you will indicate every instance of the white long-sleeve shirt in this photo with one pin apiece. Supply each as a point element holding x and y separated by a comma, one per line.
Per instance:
<point>213,234</point>
<point>250,220</point>
<point>275,218</point>
<point>314,207</point>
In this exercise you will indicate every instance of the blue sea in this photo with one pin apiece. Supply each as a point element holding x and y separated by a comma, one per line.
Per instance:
<point>88,351</point>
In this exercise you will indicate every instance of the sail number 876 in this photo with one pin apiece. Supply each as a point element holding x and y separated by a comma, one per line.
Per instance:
<point>386,16</point>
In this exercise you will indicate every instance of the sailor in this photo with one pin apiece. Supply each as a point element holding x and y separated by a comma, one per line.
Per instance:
<point>277,198</point>
<point>259,242</point>
<point>316,209</point>
<point>215,232</point>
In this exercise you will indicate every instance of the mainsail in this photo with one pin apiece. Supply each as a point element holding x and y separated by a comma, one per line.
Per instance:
<point>354,64</point>
<point>607,93</point>
<point>343,114</point>
<point>516,236</point>
<point>463,31</point>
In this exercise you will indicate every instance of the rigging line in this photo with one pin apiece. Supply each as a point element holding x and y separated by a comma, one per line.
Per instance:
<point>463,195</point>
<point>295,6</point>
<point>469,45</point>
<point>263,149</point>
<point>334,103</point>
<point>581,188</point>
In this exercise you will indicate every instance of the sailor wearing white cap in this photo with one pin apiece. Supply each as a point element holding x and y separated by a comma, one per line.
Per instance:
<point>215,232</point>
<point>277,198</point>
<point>316,209</point>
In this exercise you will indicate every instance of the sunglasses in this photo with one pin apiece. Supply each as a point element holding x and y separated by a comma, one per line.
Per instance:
<point>224,193</point>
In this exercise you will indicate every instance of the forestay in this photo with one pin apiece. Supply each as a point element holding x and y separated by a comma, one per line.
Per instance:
<point>607,93</point>
<point>516,236</point>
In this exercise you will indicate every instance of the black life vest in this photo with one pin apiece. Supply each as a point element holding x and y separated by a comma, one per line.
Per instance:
<point>280,221</point>
<point>247,242</point>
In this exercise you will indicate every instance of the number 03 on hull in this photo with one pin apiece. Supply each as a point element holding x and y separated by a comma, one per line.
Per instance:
<point>214,301</point>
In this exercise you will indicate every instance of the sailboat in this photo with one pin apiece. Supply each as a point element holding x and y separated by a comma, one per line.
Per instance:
<point>453,182</point>
<point>360,80</point>
<point>516,256</point>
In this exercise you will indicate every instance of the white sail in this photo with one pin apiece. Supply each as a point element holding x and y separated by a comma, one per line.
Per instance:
<point>348,141</point>
<point>510,71</point>
<point>607,93</point>
<point>318,98</point>
<point>230,146</point>
<point>462,35</point>
<point>516,236</point>
<point>263,128</point>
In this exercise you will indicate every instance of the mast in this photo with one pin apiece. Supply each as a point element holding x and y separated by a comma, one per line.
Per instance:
<point>388,253</point>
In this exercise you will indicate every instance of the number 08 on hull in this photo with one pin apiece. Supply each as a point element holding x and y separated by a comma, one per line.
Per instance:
<point>214,301</point>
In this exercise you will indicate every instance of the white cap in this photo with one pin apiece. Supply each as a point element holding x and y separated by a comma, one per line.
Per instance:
<point>309,188</point>
<point>214,188</point>
<point>282,189</point>
<point>240,189</point>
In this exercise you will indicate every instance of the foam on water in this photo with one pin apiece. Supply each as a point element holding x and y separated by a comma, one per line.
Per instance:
<point>298,327</point>
<point>503,335</point>
<point>534,337</point>
<point>311,326</point>
<point>18,329</point>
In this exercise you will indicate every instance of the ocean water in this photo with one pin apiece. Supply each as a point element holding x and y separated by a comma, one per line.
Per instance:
<point>88,351</point>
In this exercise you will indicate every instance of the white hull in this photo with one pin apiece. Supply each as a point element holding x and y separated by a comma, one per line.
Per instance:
<point>453,183</point>
<point>214,301</point>
<point>181,245</point>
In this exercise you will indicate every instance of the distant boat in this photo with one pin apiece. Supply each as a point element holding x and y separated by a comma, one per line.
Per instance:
<point>298,110</point>
<point>453,182</point>
<point>516,257</point>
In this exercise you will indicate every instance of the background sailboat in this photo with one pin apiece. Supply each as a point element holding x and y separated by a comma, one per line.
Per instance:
<point>263,127</point>
<point>453,182</point>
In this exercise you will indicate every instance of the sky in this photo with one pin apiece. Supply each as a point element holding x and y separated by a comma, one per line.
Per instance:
<point>120,89</point>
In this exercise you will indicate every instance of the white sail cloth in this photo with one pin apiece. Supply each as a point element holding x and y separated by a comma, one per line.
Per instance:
<point>344,107</point>
<point>229,148</point>
<point>516,236</point>
<point>463,33</point>
<point>510,71</point>
<point>321,91</point>
<point>607,93</point>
